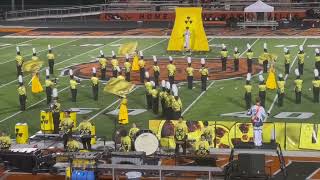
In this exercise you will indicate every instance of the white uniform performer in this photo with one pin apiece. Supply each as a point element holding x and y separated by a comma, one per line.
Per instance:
<point>258,116</point>
<point>187,35</point>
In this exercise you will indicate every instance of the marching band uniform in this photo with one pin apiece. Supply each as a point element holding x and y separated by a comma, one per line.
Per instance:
<point>249,58</point>
<point>148,86</point>
<point>22,94</point>
<point>66,126</point>
<point>265,61</point>
<point>316,86</point>
<point>162,97</point>
<point>168,102</point>
<point>287,60</point>
<point>85,134</point>
<point>73,146</point>
<point>189,71</point>
<point>51,58</point>
<point>301,56</point>
<point>176,103</point>
<point>262,90</point>
<point>141,64</point>
<point>126,142</point>
<point>236,56</point>
<point>127,66</point>
<point>34,55</point>
<point>103,65</point>
<point>298,86</point>
<point>281,83</point>
<point>73,86</point>
<point>156,71</point>
<point>204,75</point>
<point>171,70</point>
<point>133,131</point>
<point>55,109</point>
<point>180,135</point>
<point>224,56</point>
<point>95,84</point>
<point>208,132</point>
<point>49,85</point>
<point>202,147</point>
<point>5,142</point>
<point>19,62</point>
<point>248,90</point>
<point>115,65</point>
<point>317,63</point>
<point>155,98</point>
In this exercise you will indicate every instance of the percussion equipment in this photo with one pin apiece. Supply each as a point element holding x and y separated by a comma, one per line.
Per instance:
<point>146,141</point>
<point>136,158</point>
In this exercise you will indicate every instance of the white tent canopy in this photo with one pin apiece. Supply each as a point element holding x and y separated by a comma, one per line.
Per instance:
<point>259,6</point>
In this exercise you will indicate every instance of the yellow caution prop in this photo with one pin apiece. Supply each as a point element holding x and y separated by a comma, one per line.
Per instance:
<point>36,85</point>
<point>135,63</point>
<point>22,133</point>
<point>127,48</point>
<point>271,82</point>
<point>46,122</point>
<point>191,18</point>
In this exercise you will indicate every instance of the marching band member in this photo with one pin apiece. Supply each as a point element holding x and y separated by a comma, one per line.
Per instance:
<point>262,90</point>
<point>125,141</point>
<point>49,86</point>
<point>204,74</point>
<point>189,71</point>
<point>265,61</point>
<point>85,134</point>
<point>224,56</point>
<point>316,86</point>
<point>298,86</point>
<point>162,96</point>
<point>248,90</point>
<point>281,83</point>
<point>22,94</point>
<point>141,64</point>
<point>249,58</point>
<point>73,86</point>
<point>317,59</point>
<point>115,64</point>
<point>51,58</point>
<point>171,70</point>
<point>55,108</point>
<point>236,57</point>
<point>5,141</point>
<point>19,62</point>
<point>287,60</point>
<point>202,147</point>
<point>155,98</point>
<point>156,71</point>
<point>95,84</point>
<point>103,65</point>
<point>176,103</point>
<point>73,145</point>
<point>66,126</point>
<point>34,55</point>
<point>301,57</point>
<point>148,87</point>
<point>127,67</point>
<point>180,136</point>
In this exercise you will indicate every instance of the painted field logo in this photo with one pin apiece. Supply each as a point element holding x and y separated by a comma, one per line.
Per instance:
<point>213,65</point>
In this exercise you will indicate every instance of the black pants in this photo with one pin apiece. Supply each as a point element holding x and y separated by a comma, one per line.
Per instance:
<point>286,68</point>
<point>49,94</point>
<point>316,94</point>
<point>183,144</point>
<point>56,122</point>
<point>247,97</point>
<point>176,115</point>
<point>171,80</point>
<point>65,138</point>
<point>142,74</point>
<point>114,73</point>
<point>103,73</point>
<point>22,99</point>
<point>262,96</point>
<point>149,101</point>
<point>249,65</point>
<point>298,97</point>
<point>236,65</point>
<point>86,143</point>
<point>155,105</point>
<point>95,92</point>
<point>163,106</point>
<point>19,70</point>
<point>128,76</point>
<point>156,78</point>
<point>204,82</point>
<point>73,95</point>
<point>169,113</point>
<point>300,67</point>
<point>190,82</point>
<point>51,66</point>
<point>317,65</point>
<point>265,66</point>
<point>224,64</point>
<point>280,99</point>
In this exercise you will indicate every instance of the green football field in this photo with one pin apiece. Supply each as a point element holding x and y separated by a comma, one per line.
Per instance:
<point>222,97</point>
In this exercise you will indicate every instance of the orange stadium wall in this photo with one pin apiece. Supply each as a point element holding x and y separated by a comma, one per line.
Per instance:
<point>170,16</point>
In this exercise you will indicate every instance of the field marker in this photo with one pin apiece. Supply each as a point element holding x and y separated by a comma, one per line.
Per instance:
<point>3,85</point>
<point>29,106</point>
<point>285,78</point>
<point>43,50</point>
<point>19,43</point>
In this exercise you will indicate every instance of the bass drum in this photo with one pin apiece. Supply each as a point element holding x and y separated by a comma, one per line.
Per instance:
<point>146,141</point>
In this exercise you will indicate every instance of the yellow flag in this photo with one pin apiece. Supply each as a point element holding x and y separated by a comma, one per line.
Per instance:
<point>128,48</point>
<point>32,65</point>
<point>118,87</point>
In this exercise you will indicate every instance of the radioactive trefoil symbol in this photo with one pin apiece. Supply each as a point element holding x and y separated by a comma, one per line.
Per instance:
<point>188,21</point>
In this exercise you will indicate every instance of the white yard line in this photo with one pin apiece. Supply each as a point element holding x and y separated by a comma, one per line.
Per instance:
<point>3,85</point>
<point>285,78</point>
<point>43,50</point>
<point>312,174</point>
<point>19,43</point>
<point>29,107</point>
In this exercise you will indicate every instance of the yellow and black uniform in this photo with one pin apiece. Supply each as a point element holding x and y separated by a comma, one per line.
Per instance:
<point>176,107</point>
<point>85,134</point>
<point>155,100</point>
<point>262,93</point>
<point>208,132</point>
<point>73,88</point>
<point>19,64</point>
<point>55,109</point>
<point>317,63</point>
<point>73,146</point>
<point>171,72</point>
<point>22,97</point>
<point>247,94</point>
<point>189,71</point>
<point>127,67</point>
<point>156,73</point>
<point>298,89</point>
<point>5,142</point>
<point>236,57</point>
<point>95,87</point>
<point>49,85</point>
<point>202,148</point>
<point>142,70</point>
<point>249,60</point>
<point>204,76</point>
<point>162,96</point>
<point>287,61</point>
<point>224,56</point>
<point>169,110</point>
<point>133,131</point>
<point>281,85</point>
<point>126,144</point>
<point>301,56</point>
<point>66,125</point>
<point>51,58</point>
<point>316,87</point>
<point>180,135</point>
<point>103,67</point>
<point>265,62</point>
<point>115,64</point>
<point>148,86</point>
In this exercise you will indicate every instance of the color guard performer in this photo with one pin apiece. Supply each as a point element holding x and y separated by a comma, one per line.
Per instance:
<point>176,103</point>
<point>171,70</point>
<point>189,71</point>
<point>66,126</point>
<point>123,111</point>
<point>204,74</point>
<point>301,57</point>
<point>115,64</point>
<point>85,134</point>
<point>248,90</point>
<point>156,71</point>
<point>162,96</point>
<point>49,86</point>
<point>281,83</point>
<point>236,57</point>
<point>142,70</point>
<point>298,86</point>
<point>180,136</point>
<point>55,108</point>
<point>19,62</point>
<point>317,60</point>
<point>287,60</point>
<point>51,58</point>
<point>95,84</point>
<point>224,56</point>
<point>103,65</point>
<point>249,58</point>
<point>127,67</point>
<point>262,90</point>
<point>73,86</point>
<point>316,86</point>
<point>155,98</point>
<point>22,94</point>
<point>148,86</point>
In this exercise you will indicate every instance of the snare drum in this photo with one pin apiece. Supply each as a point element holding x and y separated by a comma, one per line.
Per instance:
<point>146,141</point>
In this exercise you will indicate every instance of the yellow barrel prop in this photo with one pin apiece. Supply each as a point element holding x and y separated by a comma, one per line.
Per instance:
<point>93,133</point>
<point>22,133</point>
<point>46,122</point>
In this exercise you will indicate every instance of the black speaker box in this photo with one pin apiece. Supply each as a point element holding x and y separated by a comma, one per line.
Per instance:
<point>251,164</point>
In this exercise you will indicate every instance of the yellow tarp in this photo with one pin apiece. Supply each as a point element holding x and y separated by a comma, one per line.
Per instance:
<point>192,18</point>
